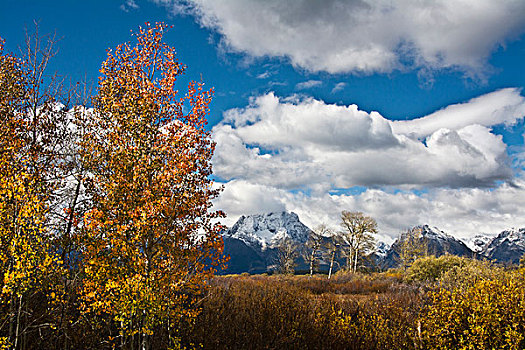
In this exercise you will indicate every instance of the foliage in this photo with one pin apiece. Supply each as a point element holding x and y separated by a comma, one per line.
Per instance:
<point>430,268</point>
<point>488,314</point>
<point>280,312</point>
<point>107,241</point>
<point>149,240</point>
<point>469,272</point>
<point>412,247</point>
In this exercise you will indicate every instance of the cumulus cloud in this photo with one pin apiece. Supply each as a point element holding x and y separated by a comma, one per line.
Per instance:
<point>461,212</point>
<point>339,36</point>
<point>306,144</point>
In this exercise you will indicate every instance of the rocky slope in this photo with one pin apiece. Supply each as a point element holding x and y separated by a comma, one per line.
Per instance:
<point>437,242</point>
<point>507,247</point>
<point>479,242</point>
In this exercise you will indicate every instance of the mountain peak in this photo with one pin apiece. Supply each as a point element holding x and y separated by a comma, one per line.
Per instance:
<point>508,246</point>
<point>267,230</point>
<point>436,242</point>
<point>433,232</point>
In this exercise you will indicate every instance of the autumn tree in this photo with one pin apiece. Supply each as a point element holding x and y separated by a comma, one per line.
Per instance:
<point>27,264</point>
<point>412,246</point>
<point>53,131</point>
<point>150,241</point>
<point>356,234</point>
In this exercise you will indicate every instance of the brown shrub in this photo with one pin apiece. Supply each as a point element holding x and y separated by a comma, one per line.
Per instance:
<point>297,312</point>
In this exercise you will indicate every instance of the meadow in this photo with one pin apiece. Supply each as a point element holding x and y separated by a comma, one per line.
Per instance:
<point>438,303</point>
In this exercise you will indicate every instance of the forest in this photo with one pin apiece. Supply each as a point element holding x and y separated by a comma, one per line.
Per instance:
<point>109,239</point>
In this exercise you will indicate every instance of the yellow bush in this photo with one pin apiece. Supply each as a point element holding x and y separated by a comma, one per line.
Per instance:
<point>489,314</point>
<point>430,268</point>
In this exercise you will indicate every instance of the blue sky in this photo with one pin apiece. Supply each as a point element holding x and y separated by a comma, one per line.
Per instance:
<point>411,112</point>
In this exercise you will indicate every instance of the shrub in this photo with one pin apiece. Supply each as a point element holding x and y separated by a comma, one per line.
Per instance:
<point>282,312</point>
<point>430,268</point>
<point>468,273</point>
<point>488,314</point>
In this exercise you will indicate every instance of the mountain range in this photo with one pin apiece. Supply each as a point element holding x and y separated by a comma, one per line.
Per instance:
<point>437,243</point>
<point>252,244</point>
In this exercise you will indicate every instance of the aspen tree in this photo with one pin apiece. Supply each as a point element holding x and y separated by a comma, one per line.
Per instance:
<point>149,240</point>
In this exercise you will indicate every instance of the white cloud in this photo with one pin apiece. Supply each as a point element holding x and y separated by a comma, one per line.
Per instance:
<point>461,212</point>
<point>264,75</point>
<point>504,106</point>
<point>129,5</point>
<point>338,87</point>
<point>306,144</point>
<point>362,35</point>
<point>308,84</point>
<point>244,198</point>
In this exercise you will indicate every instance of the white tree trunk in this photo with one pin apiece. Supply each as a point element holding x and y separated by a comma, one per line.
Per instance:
<point>331,265</point>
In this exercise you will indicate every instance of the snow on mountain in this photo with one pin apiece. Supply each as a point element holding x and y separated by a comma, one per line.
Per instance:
<point>382,249</point>
<point>478,242</point>
<point>439,242</point>
<point>432,232</point>
<point>263,231</point>
<point>436,242</point>
<point>507,247</point>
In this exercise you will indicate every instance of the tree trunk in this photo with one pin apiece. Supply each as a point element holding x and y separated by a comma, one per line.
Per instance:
<point>19,312</point>
<point>355,260</point>
<point>331,265</point>
<point>312,257</point>
<point>11,318</point>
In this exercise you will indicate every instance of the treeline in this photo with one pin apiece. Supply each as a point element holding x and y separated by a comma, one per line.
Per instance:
<point>107,239</point>
<point>352,248</point>
<point>448,302</point>
<point>348,248</point>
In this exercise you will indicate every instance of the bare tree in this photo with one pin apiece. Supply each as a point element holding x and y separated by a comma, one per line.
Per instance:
<point>287,254</point>
<point>312,249</point>
<point>356,234</point>
<point>331,248</point>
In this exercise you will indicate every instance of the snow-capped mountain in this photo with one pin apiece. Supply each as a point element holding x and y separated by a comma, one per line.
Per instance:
<point>252,241</point>
<point>439,242</point>
<point>381,249</point>
<point>436,242</point>
<point>507,247</point>
<point>478,242</point>
<point>265,231</point>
